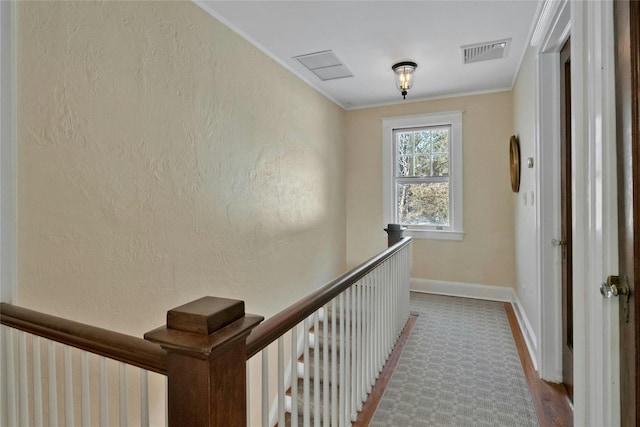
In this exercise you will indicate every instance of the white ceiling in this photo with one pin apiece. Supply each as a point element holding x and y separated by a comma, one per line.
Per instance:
<point>370,36</point>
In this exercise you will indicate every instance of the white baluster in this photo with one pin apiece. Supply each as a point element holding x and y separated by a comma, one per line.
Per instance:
<point>294,376</point>
<point>248,395</point>
<point>334,367</point>
<point>86,391</point>
<point>104,393</point>
<point>326,401</point>
<point>341,372</point>
<point>24,381</point>
<point>387,301</point>
<point>306,386</point>
<point>123,400</point>
<point>53,384</point>
<point>265,388</point>
<point>379,333</point>
<point>359,348</point>
<point>392,295</point>
<point>354,353</point>
<point>316,370</point>
<point>370,333</point>
<point>347,357</point>
<point>37,383</point>
<point>144,398</point>
<point>68,387</point>
<point>281,381</point>
<point>366,351</point>
<point>12,393</point>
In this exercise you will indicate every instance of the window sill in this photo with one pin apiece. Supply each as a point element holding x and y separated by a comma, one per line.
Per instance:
<point>434,234</point>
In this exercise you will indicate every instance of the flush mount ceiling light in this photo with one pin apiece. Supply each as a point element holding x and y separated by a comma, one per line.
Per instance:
<point>404,76</point>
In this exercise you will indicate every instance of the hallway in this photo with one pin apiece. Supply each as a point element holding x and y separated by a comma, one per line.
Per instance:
<point>461,367</point>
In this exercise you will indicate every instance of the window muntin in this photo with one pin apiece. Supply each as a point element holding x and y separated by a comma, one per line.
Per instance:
<point>421,175</point>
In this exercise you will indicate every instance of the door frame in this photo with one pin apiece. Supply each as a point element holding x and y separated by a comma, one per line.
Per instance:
<point>595,256</point>
<point>548,209</point>
<point>595,251</point>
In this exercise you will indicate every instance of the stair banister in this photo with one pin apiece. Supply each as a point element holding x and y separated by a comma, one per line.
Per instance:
<point>272,328</point>
<point>205,344</point>
<point>114,345</point>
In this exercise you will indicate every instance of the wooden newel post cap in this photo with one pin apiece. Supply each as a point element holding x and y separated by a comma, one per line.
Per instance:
<point>205,342</point>
<point>394,233</point>
<point>204,325</point>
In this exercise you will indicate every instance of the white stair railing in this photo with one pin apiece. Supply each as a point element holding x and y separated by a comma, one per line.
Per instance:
<point>51,383</point>
<point>346,338</point>
<point>316,361</point>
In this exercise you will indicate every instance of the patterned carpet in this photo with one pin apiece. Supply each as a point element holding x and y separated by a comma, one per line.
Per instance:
<point>460,368</point>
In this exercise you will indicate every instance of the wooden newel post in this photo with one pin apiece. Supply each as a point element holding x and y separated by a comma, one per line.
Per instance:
<point>394,233</point>
<point>206,362</point>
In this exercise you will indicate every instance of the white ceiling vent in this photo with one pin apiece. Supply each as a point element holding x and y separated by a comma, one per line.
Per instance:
<point>485,51</point>
<point>325,65</point>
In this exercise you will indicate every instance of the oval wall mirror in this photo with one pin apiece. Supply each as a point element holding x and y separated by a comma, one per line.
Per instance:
<point>514,157</point>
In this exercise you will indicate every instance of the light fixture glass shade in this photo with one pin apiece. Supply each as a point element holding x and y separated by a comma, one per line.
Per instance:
<point>404,76</point>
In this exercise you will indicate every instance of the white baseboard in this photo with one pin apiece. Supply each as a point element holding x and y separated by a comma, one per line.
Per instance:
<point>527,331</point>
<point>465,290</point>
<point>486,292</point>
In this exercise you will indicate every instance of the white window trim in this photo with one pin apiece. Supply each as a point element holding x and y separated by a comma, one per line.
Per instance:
<point>452,118</point>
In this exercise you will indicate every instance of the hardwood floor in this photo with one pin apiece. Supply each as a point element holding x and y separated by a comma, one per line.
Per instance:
<point>551,401</point>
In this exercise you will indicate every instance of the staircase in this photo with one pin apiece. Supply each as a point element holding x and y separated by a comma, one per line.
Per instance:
<point>328,363</point>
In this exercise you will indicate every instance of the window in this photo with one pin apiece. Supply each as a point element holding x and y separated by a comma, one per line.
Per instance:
<point>423,174</point>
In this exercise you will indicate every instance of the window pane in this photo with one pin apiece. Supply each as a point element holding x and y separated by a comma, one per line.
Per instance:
<point>422,142</point>
<point>440,140</point>
<point>422,166</point>
<point>423,203</point>
<point>403,143</point>
<point>404,166</point>
<point>440,165</point>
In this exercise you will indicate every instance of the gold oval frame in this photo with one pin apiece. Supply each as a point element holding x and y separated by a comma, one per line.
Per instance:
<point>514,159</point>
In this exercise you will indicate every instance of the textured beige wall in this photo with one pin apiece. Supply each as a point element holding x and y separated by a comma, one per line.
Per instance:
<point>524,203</point>
<point>486,255</point>
<point>162,158</point>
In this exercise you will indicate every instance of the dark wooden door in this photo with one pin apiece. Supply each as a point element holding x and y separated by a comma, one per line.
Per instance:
<point>627,28</point>
<point>566,199</point>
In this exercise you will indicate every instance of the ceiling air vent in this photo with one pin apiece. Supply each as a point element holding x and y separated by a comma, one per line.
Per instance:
<point>485,51</point>
<point>325,65</point>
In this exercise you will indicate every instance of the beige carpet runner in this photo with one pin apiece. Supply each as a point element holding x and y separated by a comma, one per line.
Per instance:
<point>460,368</point>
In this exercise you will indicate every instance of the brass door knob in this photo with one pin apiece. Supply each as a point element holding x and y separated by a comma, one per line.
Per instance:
<point>613,287</point>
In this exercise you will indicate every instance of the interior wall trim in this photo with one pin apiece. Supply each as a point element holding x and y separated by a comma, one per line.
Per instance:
<point>459,289</point>
<point>528,333</point>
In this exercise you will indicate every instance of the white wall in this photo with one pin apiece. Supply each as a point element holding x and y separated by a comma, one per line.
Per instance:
<point>524,202</point>
<point>162,158</point>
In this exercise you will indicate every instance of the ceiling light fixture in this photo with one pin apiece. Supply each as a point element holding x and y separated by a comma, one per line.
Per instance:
<point>404,76</point>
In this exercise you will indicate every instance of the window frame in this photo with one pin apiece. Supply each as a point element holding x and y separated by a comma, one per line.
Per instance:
<point>453,119</point>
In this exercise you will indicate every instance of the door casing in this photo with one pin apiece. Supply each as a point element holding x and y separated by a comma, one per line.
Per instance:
<point>596,368</point>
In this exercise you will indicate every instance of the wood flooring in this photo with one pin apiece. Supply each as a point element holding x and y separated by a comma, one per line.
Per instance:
<point>551,401</point>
